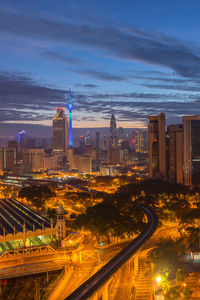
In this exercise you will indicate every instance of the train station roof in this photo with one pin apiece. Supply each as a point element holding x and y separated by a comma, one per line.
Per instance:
<point>14,216</point>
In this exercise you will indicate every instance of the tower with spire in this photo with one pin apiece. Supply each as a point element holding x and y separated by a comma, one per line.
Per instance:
<point>70,107</point>
<point>113,132</point>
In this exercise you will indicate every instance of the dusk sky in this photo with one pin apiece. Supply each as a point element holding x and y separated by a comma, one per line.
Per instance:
<point>131,58</point>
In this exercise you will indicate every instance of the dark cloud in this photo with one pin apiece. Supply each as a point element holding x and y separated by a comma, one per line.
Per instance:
<point>100,75</point>
<point>181,87</point>
<point>88,85</point>
<point>132,44</point>
<point>23,99</point>
<point>58,56</point>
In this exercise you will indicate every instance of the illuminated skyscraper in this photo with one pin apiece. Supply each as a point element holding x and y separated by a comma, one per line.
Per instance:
<point>113,133</point>
<point>113,127</point>
<point>70,108</point>
<point>191,149</point>
<point>175,153</point>
<point>60,132</point>
<point>20,139</point>
<point>157,145</point>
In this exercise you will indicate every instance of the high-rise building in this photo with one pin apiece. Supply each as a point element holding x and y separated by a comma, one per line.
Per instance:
<point>20,139</point>
<point>191,149</point>
<point>88,138</point>
<point>157,145</point>
<point>8,158</point>
<point>60,132</point>
<point>97,140</point>
<point>175,153</point>
<point>105,143</point>
<point>70,107</point>
<point>140,137</point>
<point>35,157</point>
<point>120,135</point>
<point>113,141</point>
<point>82,142</point>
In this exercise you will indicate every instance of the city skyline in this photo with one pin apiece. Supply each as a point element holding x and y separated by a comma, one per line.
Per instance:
<point>118,58</point>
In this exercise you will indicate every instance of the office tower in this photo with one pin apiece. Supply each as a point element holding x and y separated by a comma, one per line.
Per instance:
<point>120,135</point>
<point>8,158</point>
<point>83,163</point>
<point>113,133</point>
<point>88,138</point>
<point>60,132</point>
<point>105,143</point>
<point>82,142</point>
<point>139,141</point>
<point>34,157</point>
<point>70,107</point>
<point>20,139</point>
<point>157,145</point>
<point>175,153</point>
<point>97,139</point>
<point>13,144</point>
<point>191,149</point>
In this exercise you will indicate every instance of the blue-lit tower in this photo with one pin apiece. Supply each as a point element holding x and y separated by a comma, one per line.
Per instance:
<point>70,107</point>
<point>19,139</point>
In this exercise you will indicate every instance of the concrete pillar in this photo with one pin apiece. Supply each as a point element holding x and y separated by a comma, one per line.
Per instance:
<point>135,265</point>
<point>24,234</point>
<point>51,229</point>
<point>105,292</point>
<point>75,257</point>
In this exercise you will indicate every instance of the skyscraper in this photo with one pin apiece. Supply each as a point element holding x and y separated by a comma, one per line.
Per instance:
<point>97,139</point>
<point>157,145</point>
<point>191,149</point>
<point>70,107</point>
<point>175,153</point>
<point>113,133</point>
<point>120,135</point>
<point>60,132</point>
<point>140,141</point>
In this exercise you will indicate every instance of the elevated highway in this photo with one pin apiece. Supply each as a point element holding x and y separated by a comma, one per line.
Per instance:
<point>99,279</point>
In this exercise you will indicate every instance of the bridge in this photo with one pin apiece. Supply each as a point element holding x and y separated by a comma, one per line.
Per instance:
<point>96,287</point>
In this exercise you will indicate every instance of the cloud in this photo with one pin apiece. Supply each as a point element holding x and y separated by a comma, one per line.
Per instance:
<point>87,85</point>
<point>181,87</point>
<point>61,57</point>
<point>99,75</point>
<point>24,99</point>
<point>132,44</point>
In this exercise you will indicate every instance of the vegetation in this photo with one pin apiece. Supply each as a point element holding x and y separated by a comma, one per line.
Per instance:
<point>166,255</point>
<point>190,227</point>
<point>37,195</point>
<point>107,219</point>
<point>52,213</point>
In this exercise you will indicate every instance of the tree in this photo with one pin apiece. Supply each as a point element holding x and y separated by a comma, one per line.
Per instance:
<point>37,195</point>
<point>98,219</point>
<point>190,223</point>
<point>172,294</point>
<point>166,254</point>
<point>104,180</point>
<point>180,276</point>
<point>52,213</point>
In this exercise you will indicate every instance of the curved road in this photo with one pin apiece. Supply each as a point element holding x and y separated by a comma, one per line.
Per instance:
<point>100,277</point>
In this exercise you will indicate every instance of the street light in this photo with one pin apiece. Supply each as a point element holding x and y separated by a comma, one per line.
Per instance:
<point>158,279</point>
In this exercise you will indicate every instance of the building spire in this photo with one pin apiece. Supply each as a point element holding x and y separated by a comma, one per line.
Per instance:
<point>70,107</point>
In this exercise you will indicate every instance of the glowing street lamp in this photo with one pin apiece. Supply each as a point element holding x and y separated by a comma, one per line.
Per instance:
<point>158,279</point>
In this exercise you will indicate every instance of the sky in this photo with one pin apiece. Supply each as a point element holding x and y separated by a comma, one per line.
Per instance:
<point>133,58</point>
